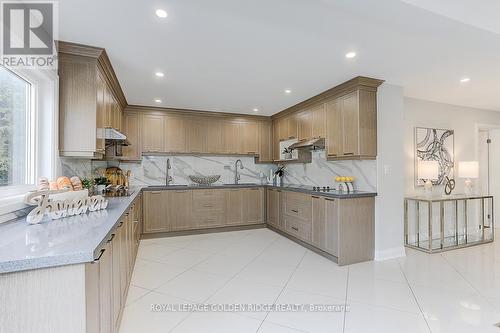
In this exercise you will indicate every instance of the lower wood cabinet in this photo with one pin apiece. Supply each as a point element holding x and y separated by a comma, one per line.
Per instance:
<point>108,277</point>
<point>343,228</point>
<point>155,212</point>
<point>178,210</point>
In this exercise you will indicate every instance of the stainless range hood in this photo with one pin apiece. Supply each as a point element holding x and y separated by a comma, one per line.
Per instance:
<point>312,144</point>
<point>113,136</point>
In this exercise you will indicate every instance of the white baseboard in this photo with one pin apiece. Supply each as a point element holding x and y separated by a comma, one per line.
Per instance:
<point>394,252</point>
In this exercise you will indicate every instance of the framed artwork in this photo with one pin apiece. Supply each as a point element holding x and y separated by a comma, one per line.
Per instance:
<point>433,144</point>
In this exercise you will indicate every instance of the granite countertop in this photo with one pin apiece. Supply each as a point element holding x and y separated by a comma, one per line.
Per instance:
<point>78,239</point>
<point>289,187</point>
<point>72,240</point>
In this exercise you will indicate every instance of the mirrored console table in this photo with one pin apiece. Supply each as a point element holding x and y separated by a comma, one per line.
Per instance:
<point>441,223</point>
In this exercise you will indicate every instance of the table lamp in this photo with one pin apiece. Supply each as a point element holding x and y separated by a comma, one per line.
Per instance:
<point>428,171</point>
<point>468,170</point>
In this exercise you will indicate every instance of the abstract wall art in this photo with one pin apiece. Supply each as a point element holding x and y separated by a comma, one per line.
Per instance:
<point>432,144</point>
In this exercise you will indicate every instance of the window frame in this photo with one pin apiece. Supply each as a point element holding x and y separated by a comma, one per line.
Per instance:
<point>43,135</point>
<point>31,167</point>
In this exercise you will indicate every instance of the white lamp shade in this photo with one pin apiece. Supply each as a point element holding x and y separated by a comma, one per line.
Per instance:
<point>428,169</point>
<point>468,169</point>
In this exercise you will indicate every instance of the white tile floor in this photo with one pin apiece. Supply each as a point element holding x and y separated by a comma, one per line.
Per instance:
<point>453,292</point>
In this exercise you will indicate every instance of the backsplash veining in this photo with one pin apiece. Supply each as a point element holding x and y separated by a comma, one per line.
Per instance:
<point>322,172</point>
<point>152,170</point>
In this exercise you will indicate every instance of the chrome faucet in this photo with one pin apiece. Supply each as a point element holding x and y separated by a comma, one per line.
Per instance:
<point>236,174</point>
<point>168,178</point>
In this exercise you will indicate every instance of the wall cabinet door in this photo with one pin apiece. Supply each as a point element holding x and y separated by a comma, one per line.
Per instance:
<point>180,208</point>
<point>232,138</point>
<point>234,206</point>
<point>304,120</point>
<point>276,140</point>
<point>250,132</point>
<point>334,135</point>
<point>292,126</point>
<point>254,205</point>
<point>350,123</point>
<point>318,222</point>
<point>265,142</point>
<point>155,209</point>
<point>214,136</point>
<point>197,135</point>
<point>132,129</point>
<point>153,133</point>
<point>283,128</point>
<point>331,227</point>
<point>273,208</point>
<point>318,121</point>
<point>100,114</point>
<point>175,134</point>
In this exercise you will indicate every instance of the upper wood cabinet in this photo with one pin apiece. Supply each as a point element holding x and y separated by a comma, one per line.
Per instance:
<point>250,132</point>
<point>153,131</point>
<point>214,136</point>
<point>197,132</point>
<point>175,133</point>
<point>265,142</point>
<point>304,123</point>
<point>232,137</point>
<point>318,116</point>
<point>287,127</point>
<point>132,129</point>
<point>352,126</point>
<point>87,86</point>
<point>276,140</point>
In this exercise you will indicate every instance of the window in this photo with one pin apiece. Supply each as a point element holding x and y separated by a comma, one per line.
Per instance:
<point>16,131</point>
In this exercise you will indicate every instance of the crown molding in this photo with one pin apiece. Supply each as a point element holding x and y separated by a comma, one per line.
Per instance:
<point>188,112</point>
<point>357,83</point>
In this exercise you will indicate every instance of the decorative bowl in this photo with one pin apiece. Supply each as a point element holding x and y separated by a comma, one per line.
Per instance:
<point>204,180</point>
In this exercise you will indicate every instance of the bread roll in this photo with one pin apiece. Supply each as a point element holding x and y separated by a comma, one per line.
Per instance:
<point>53,186</point>
<point>64,183</point>
<point>77,183</point>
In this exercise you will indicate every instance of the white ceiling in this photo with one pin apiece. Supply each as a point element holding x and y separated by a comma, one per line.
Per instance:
<point>235,55</point>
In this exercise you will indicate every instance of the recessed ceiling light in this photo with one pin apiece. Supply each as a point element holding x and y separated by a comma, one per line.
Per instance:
<point>157,100</point>
<point>161,13</point>
<point>350,55</point>
<point>159,74</point>
<point>465,79</point>
<point>255,110</point>
<point>288,91</point>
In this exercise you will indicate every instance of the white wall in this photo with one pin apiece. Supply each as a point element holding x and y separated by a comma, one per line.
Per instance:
<point>464,121</point>
<point>389,229</point>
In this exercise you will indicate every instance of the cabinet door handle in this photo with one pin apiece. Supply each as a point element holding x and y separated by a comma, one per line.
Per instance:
<point>296,229</point>
<point>329,199</point>
<point>207,205</point>
<point>348,153</point>
<point>315,197</point>
<point>111,239</point>
<point>295,211</point>
<point>99,256</point>
<point>119,225</point>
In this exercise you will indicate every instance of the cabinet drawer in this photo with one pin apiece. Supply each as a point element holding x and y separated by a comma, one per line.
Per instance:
<point>203,219</point>
<point>298,228</point>
<point>208,200</point>
<point>298,205</point>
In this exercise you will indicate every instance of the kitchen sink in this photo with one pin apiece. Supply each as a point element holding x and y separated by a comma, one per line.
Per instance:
<point>241,184</point>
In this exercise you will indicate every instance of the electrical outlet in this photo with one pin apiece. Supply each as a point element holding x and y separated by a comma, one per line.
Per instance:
<point>227,167</point>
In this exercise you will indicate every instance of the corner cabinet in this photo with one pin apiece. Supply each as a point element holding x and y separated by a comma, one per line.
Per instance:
<point>89,98</point>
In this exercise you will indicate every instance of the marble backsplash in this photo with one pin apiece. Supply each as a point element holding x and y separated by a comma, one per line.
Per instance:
<point>152,170</point>
<point>322,172</point>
